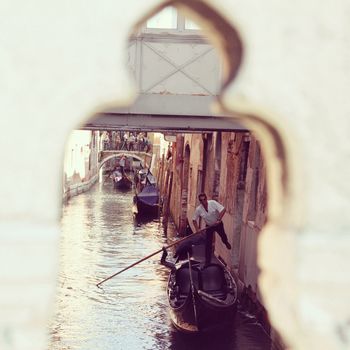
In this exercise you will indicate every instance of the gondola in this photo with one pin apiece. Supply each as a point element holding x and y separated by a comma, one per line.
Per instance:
<point>146,197</point>
<point>147,201</point>
<point>121,180</point>
<point>201,297</point>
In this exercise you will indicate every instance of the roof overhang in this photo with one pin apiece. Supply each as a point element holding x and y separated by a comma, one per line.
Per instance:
<point>172,113</point>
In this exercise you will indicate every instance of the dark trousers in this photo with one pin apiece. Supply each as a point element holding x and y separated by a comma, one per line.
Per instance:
<point>209,239</point>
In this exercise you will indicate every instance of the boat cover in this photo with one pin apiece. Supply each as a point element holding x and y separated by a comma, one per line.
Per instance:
<point>149,195</point>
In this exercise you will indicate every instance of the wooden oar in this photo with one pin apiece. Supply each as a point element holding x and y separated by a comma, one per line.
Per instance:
<point>149,256</point>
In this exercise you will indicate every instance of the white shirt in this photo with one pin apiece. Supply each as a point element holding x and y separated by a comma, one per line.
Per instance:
<point>212,215</point>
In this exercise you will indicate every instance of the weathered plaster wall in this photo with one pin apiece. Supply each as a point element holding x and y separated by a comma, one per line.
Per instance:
<point>229,195</point>
<point>176,193</point>
<point>195,164</point>
<point>253,217</point>
<point>196,160</point>
<point>80,168</point>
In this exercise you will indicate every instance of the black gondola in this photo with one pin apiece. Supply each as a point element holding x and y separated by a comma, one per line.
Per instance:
<point>147,195</point>
<point>147,201</point>
<point>201,297</point>
<point>121,180</point>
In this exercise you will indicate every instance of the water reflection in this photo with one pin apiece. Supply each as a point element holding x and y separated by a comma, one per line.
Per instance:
<point>99,238</point>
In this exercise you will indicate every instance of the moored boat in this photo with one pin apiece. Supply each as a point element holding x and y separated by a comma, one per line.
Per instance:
<point>201,297</point>
<point>121,180</point>
<point>147,195</point>
<point>147,201</point>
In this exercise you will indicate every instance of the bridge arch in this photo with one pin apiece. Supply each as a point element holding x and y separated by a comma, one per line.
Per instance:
<point>108,155</point>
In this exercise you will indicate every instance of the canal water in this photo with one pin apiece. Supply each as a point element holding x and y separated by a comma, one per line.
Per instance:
<point>100,237</point>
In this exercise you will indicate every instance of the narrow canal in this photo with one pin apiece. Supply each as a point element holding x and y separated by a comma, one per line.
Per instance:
<point>100,237</point>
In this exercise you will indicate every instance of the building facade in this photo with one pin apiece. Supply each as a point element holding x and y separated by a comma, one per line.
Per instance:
<point>81,162</point>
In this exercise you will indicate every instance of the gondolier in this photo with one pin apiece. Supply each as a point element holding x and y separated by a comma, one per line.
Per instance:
<point>212,213</point>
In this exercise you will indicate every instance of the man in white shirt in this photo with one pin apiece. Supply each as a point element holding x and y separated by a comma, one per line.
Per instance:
<point>212,213</point>
<point>131,141</point>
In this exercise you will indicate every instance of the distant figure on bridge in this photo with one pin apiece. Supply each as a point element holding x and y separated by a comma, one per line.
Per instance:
<point>125,142</point>
<point>131,141</point>
<point>139,142</point>
<point>117,141</point>
<point>113,138</point>
<point>105,139</point>
<point>212,213</point>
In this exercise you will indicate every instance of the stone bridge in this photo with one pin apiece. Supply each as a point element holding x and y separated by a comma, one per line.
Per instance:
<point>143,157</point>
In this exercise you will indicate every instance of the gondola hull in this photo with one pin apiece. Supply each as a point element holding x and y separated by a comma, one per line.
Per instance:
<point>145,209</point>
<point>123,183</point>
<point>208,317</point>
<point>201,311</point>
<point>147,201</point>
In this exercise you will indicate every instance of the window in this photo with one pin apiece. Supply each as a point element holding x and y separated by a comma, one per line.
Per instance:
<point>165,19</point>
<point>170,19</point>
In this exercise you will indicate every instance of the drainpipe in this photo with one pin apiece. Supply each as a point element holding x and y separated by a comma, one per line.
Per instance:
<point>205,158</point>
